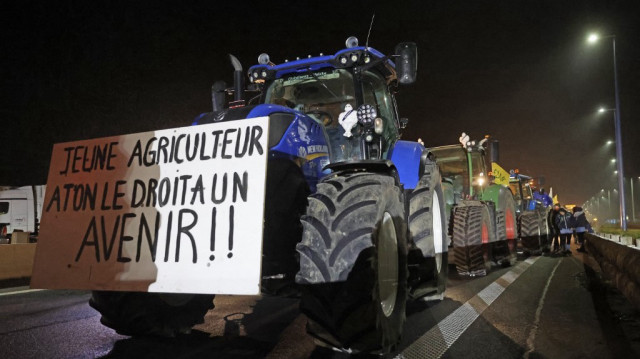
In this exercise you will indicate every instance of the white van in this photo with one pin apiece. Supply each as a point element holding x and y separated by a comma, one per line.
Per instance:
<point>20,209</point>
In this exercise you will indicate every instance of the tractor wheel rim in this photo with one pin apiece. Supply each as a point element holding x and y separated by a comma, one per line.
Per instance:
<point>387,265</point>
<point>510,223</point>
<point>437,230</point>
<point>485,233</point>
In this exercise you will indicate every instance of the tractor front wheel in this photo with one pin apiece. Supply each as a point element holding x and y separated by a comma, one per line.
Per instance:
<point>427,228</point>
<point>472,235</point>
<point>530,232</point>
<point>353,262</point>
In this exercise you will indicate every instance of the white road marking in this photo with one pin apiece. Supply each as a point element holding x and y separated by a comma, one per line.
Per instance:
<point>532,335</point>
<point>21,292</point>
<point>435,342</point>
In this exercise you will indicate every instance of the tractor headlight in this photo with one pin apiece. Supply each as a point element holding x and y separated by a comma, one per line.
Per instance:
<point>378,126</point>
<point>366,115</point>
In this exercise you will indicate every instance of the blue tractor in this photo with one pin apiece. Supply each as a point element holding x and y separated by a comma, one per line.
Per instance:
<point>355,217</point>
<point>533,214</point>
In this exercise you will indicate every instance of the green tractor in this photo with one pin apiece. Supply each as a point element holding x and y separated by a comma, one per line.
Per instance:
<point>481,215</point>
<point>532,212</point>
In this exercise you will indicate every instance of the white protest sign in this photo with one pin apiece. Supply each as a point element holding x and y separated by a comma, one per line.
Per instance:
<point>178,210</point>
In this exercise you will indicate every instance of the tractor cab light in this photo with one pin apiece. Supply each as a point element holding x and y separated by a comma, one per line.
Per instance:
<point>352,41</point>
<point>378,126</point>
<point>366,115</point>
<point>263,59</point>
<point>481,179</point>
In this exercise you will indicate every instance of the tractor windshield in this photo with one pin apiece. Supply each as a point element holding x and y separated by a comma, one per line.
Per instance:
<point>452,161</point>
<point>521,191</point>
<point>324,94</point>
<point>478,171</point>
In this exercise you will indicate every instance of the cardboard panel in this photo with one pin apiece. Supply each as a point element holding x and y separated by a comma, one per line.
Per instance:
<point>16,261</point>
<point>177,210</point>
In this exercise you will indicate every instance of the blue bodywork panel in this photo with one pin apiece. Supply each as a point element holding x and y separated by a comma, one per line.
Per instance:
<point>303,142</point>
<point>405,156</point>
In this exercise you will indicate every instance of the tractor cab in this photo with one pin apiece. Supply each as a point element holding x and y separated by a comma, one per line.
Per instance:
<point>463,166</point>
<point>520,186</point>
<point>349,94</point>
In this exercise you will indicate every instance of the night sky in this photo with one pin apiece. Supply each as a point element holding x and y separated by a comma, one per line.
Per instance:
<point>520,71</point>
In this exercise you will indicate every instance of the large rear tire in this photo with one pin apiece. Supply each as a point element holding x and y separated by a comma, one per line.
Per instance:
<point>472,235</point>
<point>151,314</point>
<point>428,231</point>
<point>544,228</point>
<point>530,232</point>
<point>504,249</point>
<point>353,264</point>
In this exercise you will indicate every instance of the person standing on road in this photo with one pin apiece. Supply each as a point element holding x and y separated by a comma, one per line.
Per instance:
<point>563,221</point>
<point>555,230</point>
<point>580,224</point>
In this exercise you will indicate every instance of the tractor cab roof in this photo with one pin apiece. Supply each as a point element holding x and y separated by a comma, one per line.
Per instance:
<point>358,56</point>
<point>515,176</point>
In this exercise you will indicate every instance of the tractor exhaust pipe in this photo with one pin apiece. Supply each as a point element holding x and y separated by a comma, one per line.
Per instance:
<point>238,83</point>
<point>495,151</point>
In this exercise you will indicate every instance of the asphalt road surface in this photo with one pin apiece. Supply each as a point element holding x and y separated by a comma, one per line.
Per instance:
<point>542,307</point>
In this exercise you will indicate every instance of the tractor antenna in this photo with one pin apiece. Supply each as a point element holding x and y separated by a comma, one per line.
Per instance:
<point>366,46</point>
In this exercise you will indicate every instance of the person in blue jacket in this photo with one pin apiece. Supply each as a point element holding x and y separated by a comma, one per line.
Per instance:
<point>542,197</point>
<point>564,221</point>
<point>580,225</point>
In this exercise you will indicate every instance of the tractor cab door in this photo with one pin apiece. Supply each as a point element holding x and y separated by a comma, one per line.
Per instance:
<point>478,173</point>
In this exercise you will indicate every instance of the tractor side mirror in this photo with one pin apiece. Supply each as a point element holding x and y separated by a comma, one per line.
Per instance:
<point>218,95</point>
<point>407,62</point>
<point>404,122</point>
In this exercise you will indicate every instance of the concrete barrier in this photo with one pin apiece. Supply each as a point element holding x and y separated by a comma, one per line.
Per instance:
<point>626,240</point>
<point>16,260</point>
<point>620,262</point>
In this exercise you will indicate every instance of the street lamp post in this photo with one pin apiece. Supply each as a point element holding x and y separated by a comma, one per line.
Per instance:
<point>633,205</point>
<point>623,210</point>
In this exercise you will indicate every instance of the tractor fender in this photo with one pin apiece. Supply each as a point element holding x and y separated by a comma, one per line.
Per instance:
<point>410,159</point>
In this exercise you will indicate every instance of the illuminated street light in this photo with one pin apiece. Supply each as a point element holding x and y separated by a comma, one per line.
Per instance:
<point>592,39</point>
<point>613,160</point>
<point>609,142</point>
